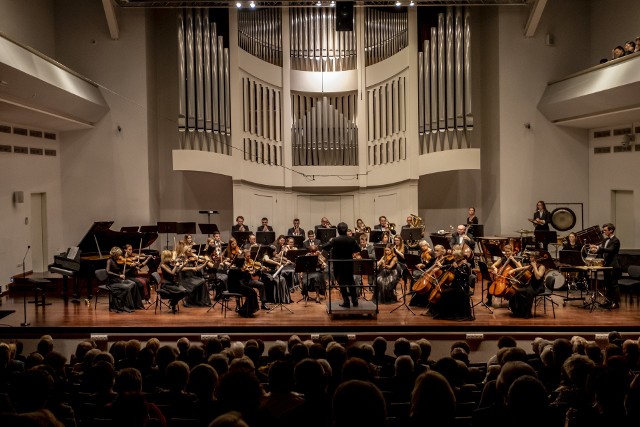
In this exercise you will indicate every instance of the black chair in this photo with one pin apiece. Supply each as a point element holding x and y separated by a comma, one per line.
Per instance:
<point>156,284</point>
<point>104,286</point>
<point>546,296</point>
<point>484,271</point>
<point>631,283</point>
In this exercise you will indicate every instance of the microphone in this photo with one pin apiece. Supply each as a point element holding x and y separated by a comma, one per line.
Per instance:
<point>24,274</point>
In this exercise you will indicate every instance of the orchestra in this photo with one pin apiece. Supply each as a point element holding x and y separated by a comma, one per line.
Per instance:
<point>438,280</point>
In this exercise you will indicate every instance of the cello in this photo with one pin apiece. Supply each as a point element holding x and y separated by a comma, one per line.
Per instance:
<point>502,279</point>
<point>444,276</point>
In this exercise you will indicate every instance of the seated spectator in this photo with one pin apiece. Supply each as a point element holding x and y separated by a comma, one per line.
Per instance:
<point>618,52</point>
<point>359,394</point>
<point>629,47</point>
<point>203,382</point>
<point>433,402</point>
<point>637,42</point>
<point>281,397</point>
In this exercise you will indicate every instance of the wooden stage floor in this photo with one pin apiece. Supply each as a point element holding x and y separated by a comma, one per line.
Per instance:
<point>310,317</point>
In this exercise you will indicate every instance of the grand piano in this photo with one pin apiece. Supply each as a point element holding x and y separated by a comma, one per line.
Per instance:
<point>92,254</point>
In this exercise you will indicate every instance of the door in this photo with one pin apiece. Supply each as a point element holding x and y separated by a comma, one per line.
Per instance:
<point>38,226</point>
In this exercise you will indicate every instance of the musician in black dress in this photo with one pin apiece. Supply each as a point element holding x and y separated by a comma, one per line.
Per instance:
<point>134,264</point>
<point>472,220</point>
<point>522,301</point>
<point>541,217</point>
<point>343,247</point>
<point>192,280</point>
<point>499,266</point>
<point>609,249</point>
<point>315,281</point>
<point>454,303</point>
<point>275,284</point>
<point>169,270</point>
<point>124,293</point>
<point>571,243</point>
<point>250,276</point>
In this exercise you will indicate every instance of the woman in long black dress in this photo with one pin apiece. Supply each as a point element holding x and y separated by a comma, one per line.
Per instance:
<point>124,293</point>
<point>191,279</point>
<point>454,300</point>
<point>522,301</point>
<point>388,277</point>
<point>170,269</point>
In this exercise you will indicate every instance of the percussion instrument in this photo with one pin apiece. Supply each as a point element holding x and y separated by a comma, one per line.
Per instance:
<point>558,281</point>
<point>563,219</point>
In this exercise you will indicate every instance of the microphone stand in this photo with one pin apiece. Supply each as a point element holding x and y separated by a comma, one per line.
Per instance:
<point>24,293</point>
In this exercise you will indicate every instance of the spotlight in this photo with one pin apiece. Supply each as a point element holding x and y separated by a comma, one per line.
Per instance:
<point>252,5</point>
<point>333,3</point>
<point>238,5</point>
<point>318,3</point>
<point>398,4</point>
<point>412,3</point>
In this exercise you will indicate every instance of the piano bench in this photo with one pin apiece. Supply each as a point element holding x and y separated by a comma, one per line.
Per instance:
<point>39,290</point>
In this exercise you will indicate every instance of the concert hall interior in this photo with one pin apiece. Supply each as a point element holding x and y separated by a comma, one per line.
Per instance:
<point>139,113</point>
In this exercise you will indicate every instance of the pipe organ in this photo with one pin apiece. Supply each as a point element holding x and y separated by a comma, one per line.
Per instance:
<point>204,107</point>
<point>445,117</point>
<point>303,94</point>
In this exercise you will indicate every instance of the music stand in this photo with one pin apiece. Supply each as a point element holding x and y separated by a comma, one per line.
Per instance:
<point>167,227</point>
<point>293,254</point>
<point>265,237</point>
<point>366,267</point>
<point>411,261</point>
<point>494,250</point>
<point>186,228</point>
<point>476,230</point>
<point>148,228</point>
<point>409,234</point>
<point>379,251</point>
<point>297,240</point>
<point>208,213</point>
<point>544,237</point>
<point>133,229</point>
<point>376,236</point>
<point>326,234</point>
<point>306,264</point>
<point>241,236</point>
<point>441,239</point>
<point>208,229</point>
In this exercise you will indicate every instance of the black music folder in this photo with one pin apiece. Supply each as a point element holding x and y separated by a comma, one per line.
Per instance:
<point>266,237</point>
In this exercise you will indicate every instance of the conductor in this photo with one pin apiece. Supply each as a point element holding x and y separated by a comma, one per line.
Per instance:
<point>343,247</point>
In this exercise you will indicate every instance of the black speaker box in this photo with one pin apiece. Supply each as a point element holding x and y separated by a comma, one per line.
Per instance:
<point>344,16</point>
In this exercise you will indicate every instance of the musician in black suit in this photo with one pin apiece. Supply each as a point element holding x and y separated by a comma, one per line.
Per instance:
<point>311,240</point>
<point>383,225</point>
<point>264,226</point>
<point>609,249</point>
<point>239,226</point>
<point>343,247</point>
<point>462,238</point>
<point>324,223</point>
<point>295,230</point>
<point>541,217</point>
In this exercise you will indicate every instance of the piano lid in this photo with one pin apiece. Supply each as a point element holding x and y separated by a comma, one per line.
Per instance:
<point>101,232</point>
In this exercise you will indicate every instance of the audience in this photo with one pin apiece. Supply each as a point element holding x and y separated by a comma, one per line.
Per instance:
<point>572,383</point>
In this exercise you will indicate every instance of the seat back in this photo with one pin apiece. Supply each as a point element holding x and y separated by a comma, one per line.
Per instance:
<point>101,275</point>
<point>156,279</point>
<point>634,271</point>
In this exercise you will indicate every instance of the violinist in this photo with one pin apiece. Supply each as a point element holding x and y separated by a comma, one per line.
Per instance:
<point>522,301</point>
<point>275,284</point>
<point>503,265</point>
<point>134,264</point>
<point>188,240</point>
<point>295,230</point>
<point>214,268</point>
<point>191,279</point>
<point>124,293</point>
<point>453,303</point>
<point>315,281</point>
<point>385,239</point>
<point>251,273</point>
<point>239,225</point>
<point>367,247</point>
<point>388,277</point>
<point>399,251</point>
<point>285,266</point>
<point>233,252</point>
<point>169,269</point>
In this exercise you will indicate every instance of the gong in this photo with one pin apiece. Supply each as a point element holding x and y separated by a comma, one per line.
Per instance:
<point>563,219</point>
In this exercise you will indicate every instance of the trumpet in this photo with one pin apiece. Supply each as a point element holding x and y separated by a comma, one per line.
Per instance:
<point>392,226</point>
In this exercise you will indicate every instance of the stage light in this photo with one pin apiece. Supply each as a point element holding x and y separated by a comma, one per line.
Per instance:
<point>333,3</point>
<point>398,4</point>
<point>252,5</point>
<point>411,3</point>
<point>318,3</point>
<point>238,5</point>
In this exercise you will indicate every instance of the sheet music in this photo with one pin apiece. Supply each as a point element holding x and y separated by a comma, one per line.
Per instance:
<point>72,252</point>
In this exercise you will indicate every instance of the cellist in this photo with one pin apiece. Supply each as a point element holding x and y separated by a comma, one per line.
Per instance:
<point>453,302</point>
<point>522,300</point>
<point>498,267</point>
<point>429,262</point>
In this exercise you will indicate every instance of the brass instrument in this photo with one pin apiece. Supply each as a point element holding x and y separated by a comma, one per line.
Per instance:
<point>329,224</point>
<point>416,222</point>
<point>391,226</point>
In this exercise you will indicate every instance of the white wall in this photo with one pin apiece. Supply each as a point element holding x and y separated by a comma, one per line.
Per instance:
<point>105,171</point>
<point>613,22</point>
<point>30,174</point>
<point>29,22</point>
<point>545,162</point>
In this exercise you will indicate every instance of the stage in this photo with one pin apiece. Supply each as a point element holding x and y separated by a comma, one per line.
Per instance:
<point>80,318</point>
